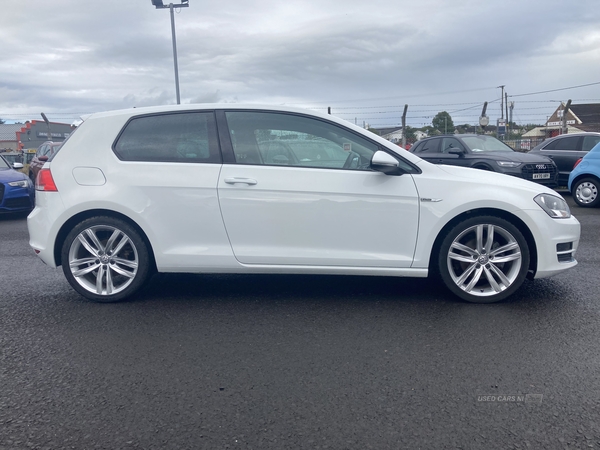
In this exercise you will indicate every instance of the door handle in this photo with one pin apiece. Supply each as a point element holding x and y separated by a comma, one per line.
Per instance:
<point>234,180</point>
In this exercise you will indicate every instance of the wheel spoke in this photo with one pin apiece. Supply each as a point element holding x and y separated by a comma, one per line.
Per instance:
<point>475,279</point>
<point>99,277</point>
<point>111,240</point>
<point>463,248</point>
<point>461,258</point>
<point>479,233</point>
<point>122,272</point>
<point>80,262</point>
<point>109,282</point>
<point>490,239</point>
<point>490,277</point>
<point>86,270</point>
<point>468,271</point>
<point>120,245</point>
<point>87,245</point>
<point>90,233</point>
<point>505,248</point>
<point>126,262</point>
<point>505,281</point>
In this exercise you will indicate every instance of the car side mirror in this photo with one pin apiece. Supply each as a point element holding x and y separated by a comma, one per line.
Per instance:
<point>43,158</point>
<point>386,163</point>
<point>457,151</point>
<point>17,166</point>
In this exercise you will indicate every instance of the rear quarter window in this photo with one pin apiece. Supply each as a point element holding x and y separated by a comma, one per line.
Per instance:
<point>179,137</point>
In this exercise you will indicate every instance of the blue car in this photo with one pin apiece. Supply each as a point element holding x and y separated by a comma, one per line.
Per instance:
<point>584,181</point>
<point>17,192</point>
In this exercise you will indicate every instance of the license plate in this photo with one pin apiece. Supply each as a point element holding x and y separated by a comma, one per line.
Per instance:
<point>541,176</point>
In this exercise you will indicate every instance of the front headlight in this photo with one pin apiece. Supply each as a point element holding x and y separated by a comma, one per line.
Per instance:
<point>508,164</point>
<point>22,183</point>
<point>555,207</point>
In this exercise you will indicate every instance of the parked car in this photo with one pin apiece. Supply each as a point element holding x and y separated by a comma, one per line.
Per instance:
<point>250,189</point>
<point>486,153</point>
<point>584,180</point>
<point>16,190</point>
<point>43,153</point>
<point>565,150</point>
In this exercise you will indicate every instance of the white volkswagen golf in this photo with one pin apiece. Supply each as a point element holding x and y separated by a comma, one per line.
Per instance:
<point>249,189</point>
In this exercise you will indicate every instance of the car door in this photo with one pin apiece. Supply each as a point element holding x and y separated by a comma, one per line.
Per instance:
<point>564,151</point>
<point>171,162</point>
<point>300,192</point>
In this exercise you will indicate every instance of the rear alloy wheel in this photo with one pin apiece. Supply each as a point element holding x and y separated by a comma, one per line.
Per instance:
<point>484,259</point>
<point>585,192</point>
<point>105,259</point>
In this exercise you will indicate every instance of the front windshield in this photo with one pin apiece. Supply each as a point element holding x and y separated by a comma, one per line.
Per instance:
<point>485,144</point>
<point>3,164</point>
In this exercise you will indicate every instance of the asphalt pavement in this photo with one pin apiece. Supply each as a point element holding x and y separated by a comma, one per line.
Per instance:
<point>286,362</point>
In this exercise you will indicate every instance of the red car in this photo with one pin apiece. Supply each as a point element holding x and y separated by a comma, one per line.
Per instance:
<point>44,152</point>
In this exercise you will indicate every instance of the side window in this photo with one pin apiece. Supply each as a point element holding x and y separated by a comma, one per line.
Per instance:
<point>589,142</point>
<point>449,144</point>
<point>41,151</point>
<point>569,143</point>
<point>429,146</point>
<point>292,140</point>
<point>177,137</point>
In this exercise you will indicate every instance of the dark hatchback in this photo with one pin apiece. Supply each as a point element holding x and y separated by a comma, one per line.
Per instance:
<point>487,153</point>
<point>565,150</point>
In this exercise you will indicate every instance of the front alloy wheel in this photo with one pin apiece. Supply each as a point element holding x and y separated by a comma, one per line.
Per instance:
<point>585,192</point>
<point>104,259</point>
<point>484,259</point>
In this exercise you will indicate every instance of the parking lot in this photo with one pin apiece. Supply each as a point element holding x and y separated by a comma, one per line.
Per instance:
<point>232,361</point>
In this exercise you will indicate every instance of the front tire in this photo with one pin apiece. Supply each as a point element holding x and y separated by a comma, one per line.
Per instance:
<point>483,259</point>
<point>105,259</point>
<point>585,192</point>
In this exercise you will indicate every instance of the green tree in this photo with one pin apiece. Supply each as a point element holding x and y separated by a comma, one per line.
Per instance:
<point>409,134</point>
<point>442,122</point>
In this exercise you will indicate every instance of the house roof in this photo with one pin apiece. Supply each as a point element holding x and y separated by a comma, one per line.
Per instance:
<point>586,116</point>
<point>587,113</point>
<point>384,131</point>
<point>8,131</point>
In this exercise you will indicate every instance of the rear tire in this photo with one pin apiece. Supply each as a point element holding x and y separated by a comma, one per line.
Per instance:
<point>105,259</point>
<point>483,259</point>
<point>585,192</point>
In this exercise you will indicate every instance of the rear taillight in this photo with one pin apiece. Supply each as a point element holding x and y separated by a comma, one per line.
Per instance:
<point>45,182</point>
<point>577,162</point>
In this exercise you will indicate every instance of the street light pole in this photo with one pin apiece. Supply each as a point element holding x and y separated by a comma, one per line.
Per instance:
<point>158,4</point>
<point>175,53</point>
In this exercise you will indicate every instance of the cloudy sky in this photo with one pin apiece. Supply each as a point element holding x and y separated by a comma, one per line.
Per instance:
<point>364,59</point>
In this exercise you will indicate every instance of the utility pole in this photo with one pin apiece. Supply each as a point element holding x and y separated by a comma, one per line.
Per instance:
<point>404,126</point>
<point>565,130</point>
<point>502,101</point>
<point>506,106</point>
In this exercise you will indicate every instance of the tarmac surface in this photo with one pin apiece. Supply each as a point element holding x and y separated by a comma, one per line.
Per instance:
<point>282,362</point>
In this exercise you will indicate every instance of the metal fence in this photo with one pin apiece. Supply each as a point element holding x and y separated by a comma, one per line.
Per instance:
<point>523,145</point>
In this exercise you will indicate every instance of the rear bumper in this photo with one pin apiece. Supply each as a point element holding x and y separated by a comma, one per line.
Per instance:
<point>43,225</point>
